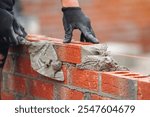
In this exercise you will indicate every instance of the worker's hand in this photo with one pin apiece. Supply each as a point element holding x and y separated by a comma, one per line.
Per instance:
<point>74,18</point>
<point>11,32</point>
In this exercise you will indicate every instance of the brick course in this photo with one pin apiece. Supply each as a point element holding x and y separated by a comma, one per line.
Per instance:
<point>24,83</point>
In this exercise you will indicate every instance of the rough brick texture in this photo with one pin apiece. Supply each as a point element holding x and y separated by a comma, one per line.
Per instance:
<point>143,89</point>
<point>69,53</point>
<point>70,94</point>
<point>7,96</point>
<point>22,82</point>
<point>119,85</point>
<point>15,83</point>
<point>84,79</point>
<point>41,89</point>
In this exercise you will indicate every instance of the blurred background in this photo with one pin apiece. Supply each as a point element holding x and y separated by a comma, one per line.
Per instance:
<point>123,24</point>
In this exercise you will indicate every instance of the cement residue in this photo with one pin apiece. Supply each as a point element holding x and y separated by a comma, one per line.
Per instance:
<point>99,59</point>
<point>45,61</point>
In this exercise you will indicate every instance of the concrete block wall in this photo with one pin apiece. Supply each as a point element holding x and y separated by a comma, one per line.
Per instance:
<point>21,82</point>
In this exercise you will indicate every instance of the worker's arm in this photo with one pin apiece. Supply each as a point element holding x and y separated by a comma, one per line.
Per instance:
<point>74,18</point>
<point>11,32</point>
<point>70,3</point>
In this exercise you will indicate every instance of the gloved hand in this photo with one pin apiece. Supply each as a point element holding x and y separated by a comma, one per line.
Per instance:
<point>7,4</point>
<point>11,32</point>
<point>74,18</point>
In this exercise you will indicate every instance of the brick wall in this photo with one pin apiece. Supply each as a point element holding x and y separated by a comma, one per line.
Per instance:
<point>22,82</point>
<point>113,20</point>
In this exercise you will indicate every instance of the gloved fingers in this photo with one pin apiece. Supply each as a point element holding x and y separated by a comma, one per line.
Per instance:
<point>23,41</point>
<point>23,31</point>
<point>18,29</point>
<point>68,31</point>
<point>65,24</point>
<point>12,38</point>
<point>88,34</point>
<point>68,34</point>
<point>82,38</point>
<point>3,40</point>
<point>16,39</point>
<point>6,20</point>
<point>92,31</point>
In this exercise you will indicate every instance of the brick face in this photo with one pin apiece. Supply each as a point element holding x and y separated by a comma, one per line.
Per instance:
<point>65,72</point>
<point>118,85</point>
<point>9,64</point>
<point>17,84</point>
<point>69,53</point>
<point>41,89</point>
<point>7,96</point>
<point>70,94</point>
<point>25,83</point>
<point>97,97</point>
<point>143,89</point>
<point>84,79</point>
<point>23,66</point>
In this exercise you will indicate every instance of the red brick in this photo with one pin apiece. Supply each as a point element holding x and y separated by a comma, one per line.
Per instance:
<point>118,85</point>
<point>7,96</point>
<point>97,97</point>
<point>23,66</point>
<point>70,94</point>
<point>65,72</point>
<point>21,49</point>
<point>70,53</point>
<point>84,79</point>
<point>17,84</point>
<point>143,89</point>
<point>9,64</point>
<point>41,89</point>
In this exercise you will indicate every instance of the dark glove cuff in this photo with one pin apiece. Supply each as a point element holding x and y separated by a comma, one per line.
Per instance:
<point>70,8</point>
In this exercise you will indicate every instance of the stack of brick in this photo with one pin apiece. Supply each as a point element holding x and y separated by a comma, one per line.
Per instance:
<point>22,82</point>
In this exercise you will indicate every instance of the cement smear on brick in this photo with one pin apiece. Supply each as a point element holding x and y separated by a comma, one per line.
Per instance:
<point>96,57</point>
<point>44,60</point>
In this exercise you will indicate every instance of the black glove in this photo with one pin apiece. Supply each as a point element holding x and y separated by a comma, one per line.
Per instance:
<point>11,32</point>
<point>74,18</point>
<point>7,4</point>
